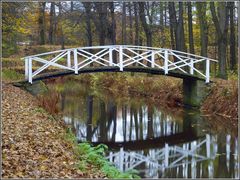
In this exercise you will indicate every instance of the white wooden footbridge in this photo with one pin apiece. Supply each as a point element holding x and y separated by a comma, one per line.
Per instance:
<point>118,58</point>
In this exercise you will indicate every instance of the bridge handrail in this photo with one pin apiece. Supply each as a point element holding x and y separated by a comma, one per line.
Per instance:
<point>128,55</point>
<point>126,46</point>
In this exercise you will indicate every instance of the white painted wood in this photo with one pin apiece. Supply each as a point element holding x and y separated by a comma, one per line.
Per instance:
<point>191,66</point>
<point>26,68</point>
<point>69,58</point>
<point>121,58</point>
<point>110,57</point>
<point>152,59</point>
<point>131,54</point>
<point>30,70</point>
<point>166,62</point>
<point>75,61</point>
<point>207,70</point>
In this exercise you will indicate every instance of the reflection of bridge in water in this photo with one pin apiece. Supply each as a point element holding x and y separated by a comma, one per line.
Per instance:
<point>183,156</point>
<point>155,143</point>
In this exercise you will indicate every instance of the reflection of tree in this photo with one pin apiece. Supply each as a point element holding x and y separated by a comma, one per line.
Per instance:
<point>141,122</point>
<point>150,133</point>
<point>114,117</point>
<point>131,124</point>
<point>102,119</point>
<point>136,122</point>
<point>124,118</point>
<point>89,117</point>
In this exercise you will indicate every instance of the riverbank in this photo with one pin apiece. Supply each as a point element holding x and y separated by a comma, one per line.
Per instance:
<point>167,91</point>
<point>36,145</point>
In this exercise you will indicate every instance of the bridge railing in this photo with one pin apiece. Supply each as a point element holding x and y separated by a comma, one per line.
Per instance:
<point>120,56</point>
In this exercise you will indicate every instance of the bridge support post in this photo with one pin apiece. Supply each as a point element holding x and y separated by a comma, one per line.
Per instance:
<point>30,70</point>
<point>194,92</point>
<point>166,62</point>
<point>121,58</point>
<point>26,68</point>
<point>191,66</point>
<point>152,59</point>
<point>75,61</point>
<point>69,58</point>
<point>110,57</point>
<point>207,70</point>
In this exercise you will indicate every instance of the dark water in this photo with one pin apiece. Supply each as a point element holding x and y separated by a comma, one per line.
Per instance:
<point>140,135</point>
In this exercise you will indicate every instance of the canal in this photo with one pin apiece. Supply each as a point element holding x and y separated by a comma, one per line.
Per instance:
<point>158,142</point>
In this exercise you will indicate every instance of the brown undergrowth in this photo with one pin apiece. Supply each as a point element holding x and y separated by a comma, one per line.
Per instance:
<point>222,100</point>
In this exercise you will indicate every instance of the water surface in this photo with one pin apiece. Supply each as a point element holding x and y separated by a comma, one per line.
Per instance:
<point>158,142</point>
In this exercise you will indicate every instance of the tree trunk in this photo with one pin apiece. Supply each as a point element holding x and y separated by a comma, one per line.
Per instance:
<point>161,23</point>
<point>232,37</point>
<point>102,22</point>
<point>136,23</point>
<point>201,14</point>
<point>61,29</point>
<point>177,25</point>
<point>180,40</point>
<point>146,27</point>
<point>52,19</point>
<point>130,21</point>
<point>113,30</point>
<point>87,7</point>
<point>41,22</point>
<point>221,26</point>
<point>124,37</point>
<point>190,28</point>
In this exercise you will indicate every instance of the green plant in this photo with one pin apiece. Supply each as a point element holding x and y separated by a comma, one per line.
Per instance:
<point>89,155</point>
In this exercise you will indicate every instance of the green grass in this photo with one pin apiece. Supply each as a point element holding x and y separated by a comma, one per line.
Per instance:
<point>95,156</point>
<point>11,75</point>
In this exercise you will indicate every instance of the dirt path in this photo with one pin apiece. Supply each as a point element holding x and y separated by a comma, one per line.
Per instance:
<point>33,146</point>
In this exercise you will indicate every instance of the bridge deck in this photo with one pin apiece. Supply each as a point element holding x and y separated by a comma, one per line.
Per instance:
<point>148,70</point>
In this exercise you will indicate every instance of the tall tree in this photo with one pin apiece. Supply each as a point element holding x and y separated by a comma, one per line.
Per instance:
<point>176,25</point>
<point>146,27</point>
<point>41,22</point>
<point>124,36</point>
<point>136,24</point>
<point>113,30</point>
<point>62,40</point>
<point>232,37</point>
<point>51,22</point>
<point>190,28</point>
<point>201,14</point>
<point>87,7</point>
<point>101,22</point>
<point>221,26</point>
<point>130,22</point>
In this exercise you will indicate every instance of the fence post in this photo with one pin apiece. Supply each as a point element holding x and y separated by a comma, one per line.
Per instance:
<point>26,68</point>
<point>207,70</point>
<point>191,66</point>
<point>75,61</point>
<point>69,58</point>
<point>120,58</point>
<point>110,57</point>
<point>166,62</point>
<point>30,70</point>
<point>152,59</point>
